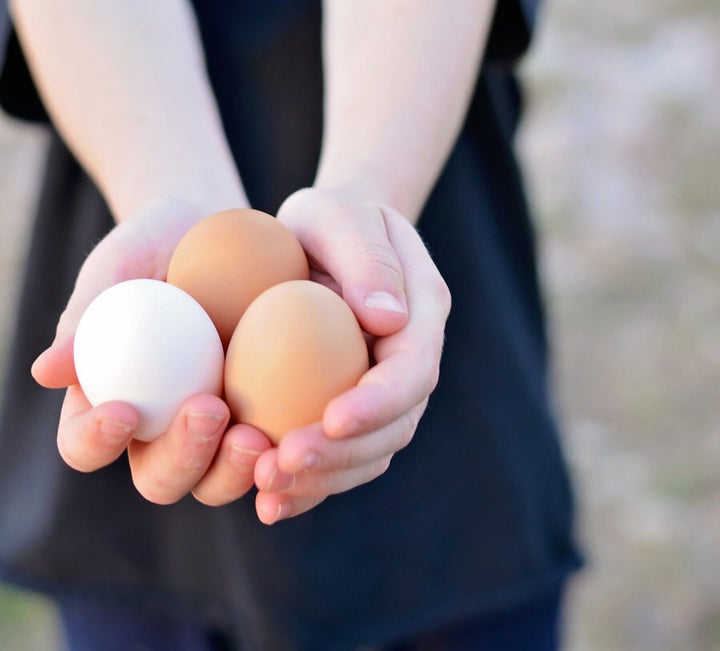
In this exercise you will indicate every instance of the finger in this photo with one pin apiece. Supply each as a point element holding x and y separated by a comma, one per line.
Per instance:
<point>272,507</point>
<point>397,387</point>
<point>408,361</point>
<point>349,241</point>
<point>322,484</point>
<point>166,469</point>
<point>231,474</point>
<point>309,449</point>
<point>55,368</point>
<point>88,438</point>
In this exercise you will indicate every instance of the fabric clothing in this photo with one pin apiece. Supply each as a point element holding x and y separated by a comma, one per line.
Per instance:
<point>474,517</point>
<point>535,626</point>
<point>89,626</point>
<point>92,627</point>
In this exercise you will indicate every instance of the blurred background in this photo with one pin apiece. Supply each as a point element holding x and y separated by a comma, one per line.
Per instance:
<point>622,152</point>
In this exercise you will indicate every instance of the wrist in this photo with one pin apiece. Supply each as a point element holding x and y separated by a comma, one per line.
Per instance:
<point>368,183</point>
<point>177,210</point>
<point>187,205</point>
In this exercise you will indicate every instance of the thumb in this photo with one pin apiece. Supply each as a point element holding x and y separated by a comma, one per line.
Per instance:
<point>138,247</point>
<point>55,367</point>
<point>348,240</point>
<point>109,263</point>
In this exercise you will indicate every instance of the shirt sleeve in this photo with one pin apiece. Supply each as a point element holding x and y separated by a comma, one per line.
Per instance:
<point>18,95</point>
<point>511,31</point>
<point>509,38</point>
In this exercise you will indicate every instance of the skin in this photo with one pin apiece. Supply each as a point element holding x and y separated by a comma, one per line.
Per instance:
<point>399,74</point>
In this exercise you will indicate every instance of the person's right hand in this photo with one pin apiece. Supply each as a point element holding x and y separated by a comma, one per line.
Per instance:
<point>88,438</point>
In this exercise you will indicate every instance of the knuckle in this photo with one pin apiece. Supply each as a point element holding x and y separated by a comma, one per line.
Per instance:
<point>317,486</point>
<point>432,377</point>
<point>154,488</point>
<point>430,372</point>
<point>349,457</point>
<point>379,256</point>
<point>441,294</point>
<point>288,208</point>
<point>381,466</point>
<point>78,448</point>
<point>221,486</point>
<point>409,425</point>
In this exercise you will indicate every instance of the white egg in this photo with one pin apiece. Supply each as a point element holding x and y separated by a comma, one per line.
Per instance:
<point>149,344</point>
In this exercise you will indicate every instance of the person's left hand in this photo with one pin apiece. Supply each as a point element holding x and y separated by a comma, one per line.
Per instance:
<point>374,258</point>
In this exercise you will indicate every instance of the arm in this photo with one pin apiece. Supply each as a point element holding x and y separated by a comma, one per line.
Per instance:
<point>360,245</point>
<point>399,77</point>
<point>124,83</point>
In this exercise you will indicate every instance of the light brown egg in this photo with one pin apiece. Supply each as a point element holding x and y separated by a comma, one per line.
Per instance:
<point>297,347</point>
<point>229,258</point>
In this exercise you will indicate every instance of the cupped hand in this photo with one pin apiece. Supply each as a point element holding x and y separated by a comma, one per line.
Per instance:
<point>196,453</point>
<point>375,259</point>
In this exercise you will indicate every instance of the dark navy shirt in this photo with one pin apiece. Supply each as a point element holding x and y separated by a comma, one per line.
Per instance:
<point>475,516</point>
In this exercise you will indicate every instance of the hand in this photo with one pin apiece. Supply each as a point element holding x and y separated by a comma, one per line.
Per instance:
<point>376,260</point>
<point>193,455</point>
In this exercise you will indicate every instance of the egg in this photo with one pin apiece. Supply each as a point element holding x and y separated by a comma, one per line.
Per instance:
<point>229,258</point>
<point>297,347</point>
<point>151,345</point>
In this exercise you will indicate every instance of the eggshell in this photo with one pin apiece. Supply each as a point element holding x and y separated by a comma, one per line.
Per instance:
<point>149,344</point>
<point>297,347</point>
<point>229,258</point>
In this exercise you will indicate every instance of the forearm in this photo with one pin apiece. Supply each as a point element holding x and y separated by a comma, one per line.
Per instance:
<point>124,83</point>
<point>399,76</point>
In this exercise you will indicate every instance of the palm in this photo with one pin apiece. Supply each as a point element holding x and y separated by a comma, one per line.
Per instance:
<point>138,248</point>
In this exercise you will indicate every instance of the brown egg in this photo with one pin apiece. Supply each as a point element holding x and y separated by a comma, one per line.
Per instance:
<point>229,258</point>
<point>297,347</point>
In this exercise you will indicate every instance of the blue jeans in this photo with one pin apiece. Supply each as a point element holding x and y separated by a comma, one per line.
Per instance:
<point>91,627</point>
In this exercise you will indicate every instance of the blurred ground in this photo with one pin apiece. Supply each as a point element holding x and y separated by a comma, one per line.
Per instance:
<point>27,623</point>
<point>622,149</point>
<point>623,156</point>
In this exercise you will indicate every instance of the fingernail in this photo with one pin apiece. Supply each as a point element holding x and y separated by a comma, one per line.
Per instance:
<point>115,430</point>
<point>243,456</point>
<point>283,510</point>
<point>385,301</point>
<point>204,426</point>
